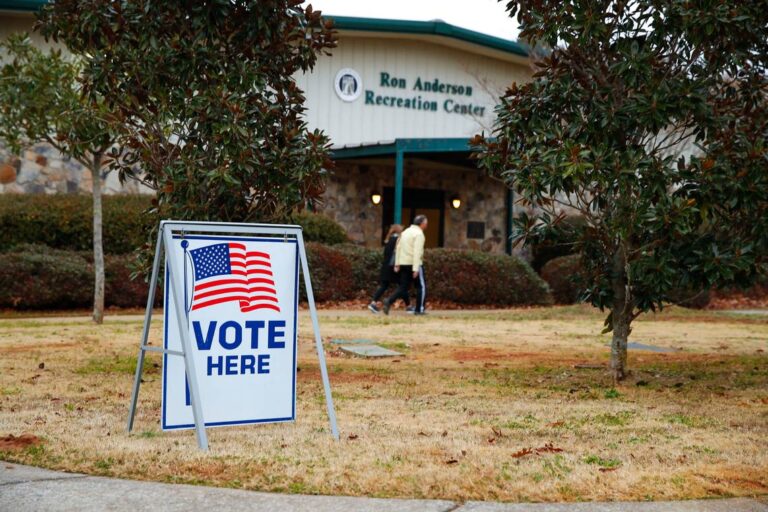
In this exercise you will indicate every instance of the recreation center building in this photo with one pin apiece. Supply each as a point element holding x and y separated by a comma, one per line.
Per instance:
<point>400,101</point>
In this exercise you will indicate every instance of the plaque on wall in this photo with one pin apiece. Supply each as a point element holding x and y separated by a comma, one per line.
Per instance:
<point>475,229</point>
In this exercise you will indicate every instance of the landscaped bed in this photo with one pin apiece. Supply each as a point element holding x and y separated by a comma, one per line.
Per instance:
<point>488,405</point>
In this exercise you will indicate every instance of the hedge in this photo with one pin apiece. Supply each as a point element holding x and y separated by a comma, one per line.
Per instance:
<point>464,277</point>
<point>317,227</point>
<point>690,298</point>
<point>473,277</point>
<point>565,279</point>
<point>63,221</point>
<point>563,275</point>
<point>331,274</point>
<point>558,242</point>
<point>38,277</point>
<point>365,264</point>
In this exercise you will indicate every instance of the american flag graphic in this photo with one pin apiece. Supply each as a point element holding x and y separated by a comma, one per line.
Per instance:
<point>227,272</point>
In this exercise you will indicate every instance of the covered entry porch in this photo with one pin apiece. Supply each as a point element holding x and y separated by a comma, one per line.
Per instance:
<point>376,185</point>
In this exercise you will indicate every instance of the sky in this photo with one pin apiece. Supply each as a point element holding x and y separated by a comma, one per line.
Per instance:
<point>486,16</point>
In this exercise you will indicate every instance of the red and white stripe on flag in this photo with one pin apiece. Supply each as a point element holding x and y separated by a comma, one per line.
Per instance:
<point>250,282</point>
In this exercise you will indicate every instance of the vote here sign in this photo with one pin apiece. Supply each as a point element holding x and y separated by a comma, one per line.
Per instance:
<point>240,304</point>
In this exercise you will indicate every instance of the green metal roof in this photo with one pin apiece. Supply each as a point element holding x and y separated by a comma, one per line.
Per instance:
<point>435,28</point>
<point>22,5</point>
<point>444,145</point>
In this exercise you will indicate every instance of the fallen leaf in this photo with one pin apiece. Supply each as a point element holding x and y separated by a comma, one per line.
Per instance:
<point>423,434</point>
<point>352,437</point>
<point>445,433</point>
<point>12,442</point>
<point>41,366</point>
<point>548,448</point>
<point>451,461</point>
<point>522,453</point>
<point>556,424</point>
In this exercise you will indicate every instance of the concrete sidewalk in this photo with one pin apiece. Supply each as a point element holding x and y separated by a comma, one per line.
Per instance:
<point>25,488</point>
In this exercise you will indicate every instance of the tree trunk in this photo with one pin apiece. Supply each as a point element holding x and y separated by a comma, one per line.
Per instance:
<point>98,246</point>
<point>621,316</point>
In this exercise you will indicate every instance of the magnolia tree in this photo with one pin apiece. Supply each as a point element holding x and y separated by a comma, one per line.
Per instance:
<point>650,119</point>
<point>41,101</point>
<point>203,92</point>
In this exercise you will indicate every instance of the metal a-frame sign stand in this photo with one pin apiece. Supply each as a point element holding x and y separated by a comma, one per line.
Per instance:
<point>163,248</point>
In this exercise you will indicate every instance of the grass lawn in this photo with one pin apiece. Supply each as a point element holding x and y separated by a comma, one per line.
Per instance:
<point>485,405</point>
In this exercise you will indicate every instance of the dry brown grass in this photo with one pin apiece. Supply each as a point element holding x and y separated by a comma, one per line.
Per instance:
<point>476,409</point>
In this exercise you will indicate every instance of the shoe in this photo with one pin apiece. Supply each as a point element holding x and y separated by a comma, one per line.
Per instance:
<point>373,307</point>
<point>410,310</point>
<point>386,307</point>
<point>419,312</point>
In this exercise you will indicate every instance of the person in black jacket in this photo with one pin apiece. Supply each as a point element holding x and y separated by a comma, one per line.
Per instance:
<point>387,276</point>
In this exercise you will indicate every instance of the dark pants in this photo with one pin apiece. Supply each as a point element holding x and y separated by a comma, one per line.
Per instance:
<point>387,277</point>
<point>406,278</point>
<point>384,286</point>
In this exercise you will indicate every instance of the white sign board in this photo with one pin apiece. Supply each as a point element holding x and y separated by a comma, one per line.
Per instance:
<point>241,297</point>
<point>230,331</point>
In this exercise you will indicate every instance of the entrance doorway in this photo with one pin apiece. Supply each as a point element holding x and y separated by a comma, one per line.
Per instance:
<point>418,201</point>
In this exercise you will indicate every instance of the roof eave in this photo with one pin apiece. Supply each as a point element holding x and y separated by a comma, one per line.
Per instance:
<point>434,28</point>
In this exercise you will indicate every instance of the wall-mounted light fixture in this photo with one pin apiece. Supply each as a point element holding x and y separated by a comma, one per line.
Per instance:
<point>375,198</point>
<point>456,202</point>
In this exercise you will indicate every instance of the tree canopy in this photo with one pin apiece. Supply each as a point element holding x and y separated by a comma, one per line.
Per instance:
<point>650,119</point>
<point>204,95</point>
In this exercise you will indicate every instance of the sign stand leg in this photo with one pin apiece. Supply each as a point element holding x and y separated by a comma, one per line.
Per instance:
<point>145,331</point>
<point>189,362</point>
<point>318,338</point>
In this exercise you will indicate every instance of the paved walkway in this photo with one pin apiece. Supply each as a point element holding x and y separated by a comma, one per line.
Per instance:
<point>25,488</point>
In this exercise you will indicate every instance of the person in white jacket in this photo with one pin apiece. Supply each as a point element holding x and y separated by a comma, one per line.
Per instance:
<point>409,262</point>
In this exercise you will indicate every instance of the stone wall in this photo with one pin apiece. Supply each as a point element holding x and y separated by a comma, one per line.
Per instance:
<point>43,170</point>
<point>347,200</point>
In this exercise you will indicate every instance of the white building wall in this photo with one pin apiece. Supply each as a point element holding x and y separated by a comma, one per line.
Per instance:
<point>354,123</point>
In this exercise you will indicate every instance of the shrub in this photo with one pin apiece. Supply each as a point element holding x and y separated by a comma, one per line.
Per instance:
<point>64,221</point>
<point>317,227</point>
<point>558,242</point>
<point>567,282</point>
<point>122,291</point>
<point>473,277</point>
<point>690,298</point>
<point>465,277</point>
<point>565,278</point>
<point>37,277</point>
<point>331,274</point>
<point>366,266</point>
